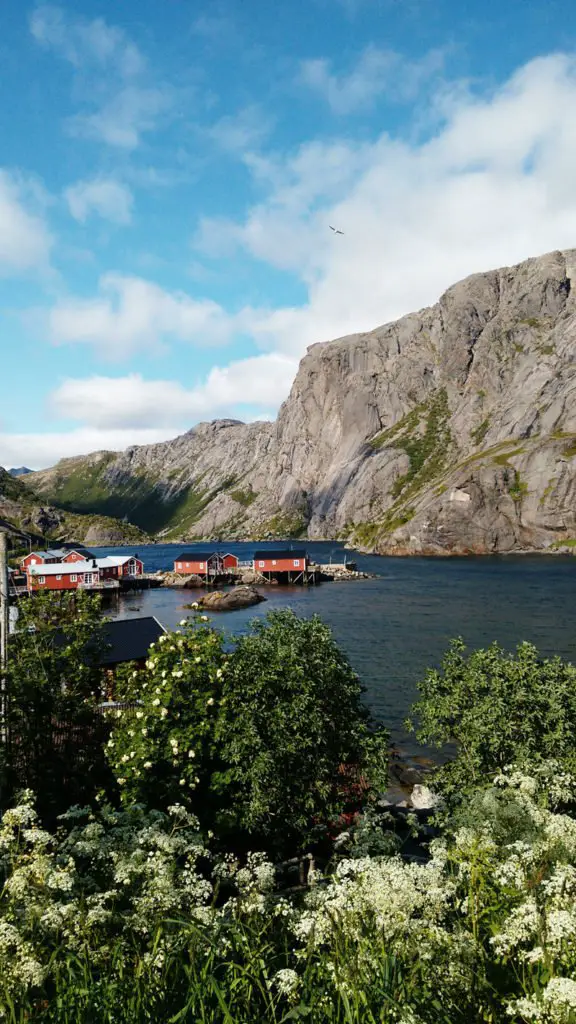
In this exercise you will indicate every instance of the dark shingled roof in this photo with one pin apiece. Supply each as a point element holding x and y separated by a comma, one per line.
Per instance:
<point>129,639</point>
<point>285,553</point>
<point>195,556</point>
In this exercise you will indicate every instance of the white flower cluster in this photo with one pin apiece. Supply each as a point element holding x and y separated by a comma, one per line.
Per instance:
<point>112,876</point>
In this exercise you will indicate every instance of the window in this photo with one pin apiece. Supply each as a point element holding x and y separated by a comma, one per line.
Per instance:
<point>179,565</point>
<point>297,563</point>
<point>58,577</point>
<point>33,561</point>
<point>273,561</point>
<point>187,565</point>
<point>73,578</point>
<point>201,565</point>
<point>41,579</point>
<point>261,564</point>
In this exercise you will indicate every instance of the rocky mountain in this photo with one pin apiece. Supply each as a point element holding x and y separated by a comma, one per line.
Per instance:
<point>452,430</point>
<point>26,517</point>
<point>20,471</point>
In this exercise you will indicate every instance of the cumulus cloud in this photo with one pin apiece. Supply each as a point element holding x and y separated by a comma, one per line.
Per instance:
<point>103,196</point>
<point>24,238</point>
<point>116,412</point>
<point>492,184</point>
<point>376,71</point>
<point>112,74</point>
<point>254,384</point>
<point>131,314</point>
<point>37,451</point>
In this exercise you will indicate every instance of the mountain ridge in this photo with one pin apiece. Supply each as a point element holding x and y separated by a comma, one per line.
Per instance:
<point>448,431</point>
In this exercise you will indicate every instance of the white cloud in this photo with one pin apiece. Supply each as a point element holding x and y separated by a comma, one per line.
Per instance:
<point>24,239</point>
<point>131,314</point>
<point>241,132</point>
<point>105,403</point>
<point>37,451</point>
<point>116,412</point>
<point>123,120</point>
<point>112,76</point>
<point>492,186</point>
<point>376,72</point>
<point>83,42</point>
<point>103,196</point>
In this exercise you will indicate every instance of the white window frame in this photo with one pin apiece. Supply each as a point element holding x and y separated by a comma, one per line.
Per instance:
<point>58,577</point>
<point>273,561</point>
<point>41,579</point>
<point>178,565</point>
<point>33,561</point>
<point>201,565</point>
<point>73,578</point>
<point>296,563</point>
<point>261,565</point>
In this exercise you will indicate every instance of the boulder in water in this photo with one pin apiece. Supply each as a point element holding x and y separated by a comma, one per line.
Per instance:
<point>240,597</point>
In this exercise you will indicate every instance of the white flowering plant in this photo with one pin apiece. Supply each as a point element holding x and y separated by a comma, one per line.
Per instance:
<point>162,747</point>
<point>105,883</point>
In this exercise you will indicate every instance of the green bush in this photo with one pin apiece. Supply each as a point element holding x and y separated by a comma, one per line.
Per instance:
<point>291,719</point>
<point>253,739</point>
<point>497,708</point>
<point>54,685</point>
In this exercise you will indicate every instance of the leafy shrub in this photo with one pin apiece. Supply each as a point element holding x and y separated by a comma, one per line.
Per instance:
<point>162,750</point>
<point>290,716</point>
<point>251,738</point>
<point>497,708</point>
<point>54,683</point>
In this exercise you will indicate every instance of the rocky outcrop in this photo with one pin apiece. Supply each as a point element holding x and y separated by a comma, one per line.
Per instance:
<point>452,430</point>
<point>230,601</point>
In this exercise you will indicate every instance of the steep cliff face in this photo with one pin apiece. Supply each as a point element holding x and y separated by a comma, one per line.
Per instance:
<point>451,430</point>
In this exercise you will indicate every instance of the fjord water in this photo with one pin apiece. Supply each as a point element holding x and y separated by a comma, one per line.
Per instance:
<point>396,625</point>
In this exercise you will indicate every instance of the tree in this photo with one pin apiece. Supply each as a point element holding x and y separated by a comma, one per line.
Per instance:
<point>54,683</point>
<point>498,708</point>
<point>162,751</point>
<point>291,723</point>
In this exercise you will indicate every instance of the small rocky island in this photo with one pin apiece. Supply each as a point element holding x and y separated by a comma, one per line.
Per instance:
<point>230,601</point>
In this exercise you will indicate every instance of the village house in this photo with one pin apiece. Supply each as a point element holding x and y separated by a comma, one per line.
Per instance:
<point>281,561</point>
<point>198,563</point>
<point>63,576</point>
<point>55,555</point>
<point>74,574</point>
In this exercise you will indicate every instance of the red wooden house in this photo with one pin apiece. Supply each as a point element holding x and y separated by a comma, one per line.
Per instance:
<point>198,563</point>
<point>54,556</point>
<point>293,562</point>
<point>229,562</point>
<point>77,556</point>
<point>63,576</point>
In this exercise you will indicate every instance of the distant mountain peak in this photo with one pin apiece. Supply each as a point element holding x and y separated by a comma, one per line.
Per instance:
<point>20,471</point>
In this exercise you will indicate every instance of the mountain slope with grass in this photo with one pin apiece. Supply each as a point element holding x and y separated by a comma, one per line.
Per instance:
<point>27,516</point>
<point>452,430</point>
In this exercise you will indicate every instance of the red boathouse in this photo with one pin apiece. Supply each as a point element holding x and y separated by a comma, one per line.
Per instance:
<point>198,563</point>
<point>272,562</point>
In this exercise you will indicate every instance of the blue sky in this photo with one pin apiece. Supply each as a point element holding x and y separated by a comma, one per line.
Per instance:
<point>168,173</point>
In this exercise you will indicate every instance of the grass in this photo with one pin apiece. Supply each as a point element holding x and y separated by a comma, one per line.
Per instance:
<point>479,432</point>
<point>244,497</point>
<point>519,488</point>
<point>283,524</point>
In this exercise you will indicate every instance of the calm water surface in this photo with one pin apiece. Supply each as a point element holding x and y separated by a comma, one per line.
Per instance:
<point>395,626</point>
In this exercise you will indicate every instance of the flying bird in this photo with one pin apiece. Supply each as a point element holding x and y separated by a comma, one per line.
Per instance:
<point>335,230</point>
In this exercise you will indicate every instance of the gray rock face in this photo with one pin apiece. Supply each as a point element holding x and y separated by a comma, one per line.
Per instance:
<point>452,430</point>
